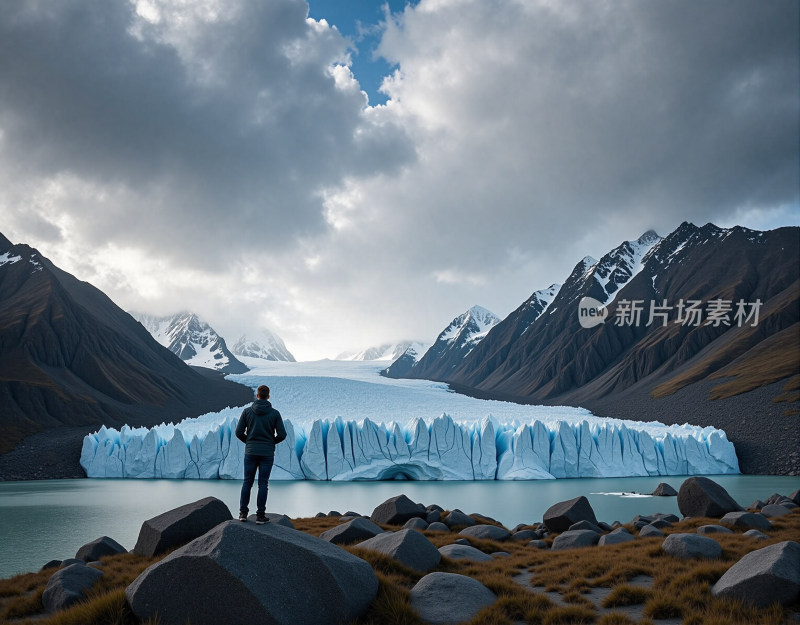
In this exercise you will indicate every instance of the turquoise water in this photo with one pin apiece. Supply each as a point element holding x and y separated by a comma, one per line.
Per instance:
<point>46,520</point>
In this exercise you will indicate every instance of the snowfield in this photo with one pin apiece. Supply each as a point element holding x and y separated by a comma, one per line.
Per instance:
<point>346,422</point>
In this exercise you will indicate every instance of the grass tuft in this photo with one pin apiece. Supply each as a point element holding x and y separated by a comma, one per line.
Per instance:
<point>392,606</point>
<point>626,595</point>
<point>663,605</point>
<point>616,618</point>
<point>569,615</point>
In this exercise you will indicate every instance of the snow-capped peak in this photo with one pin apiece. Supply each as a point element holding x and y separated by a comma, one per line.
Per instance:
<point>619,266</point>
<point>469,327</point>
<point>192,340</point>
<point>263,344</point>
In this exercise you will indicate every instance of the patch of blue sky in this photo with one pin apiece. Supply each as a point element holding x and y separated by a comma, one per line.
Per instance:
<point>361,22</point>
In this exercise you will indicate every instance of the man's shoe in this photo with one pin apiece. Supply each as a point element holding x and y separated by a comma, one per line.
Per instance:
<point>242,517</point>
<point>261,519</point>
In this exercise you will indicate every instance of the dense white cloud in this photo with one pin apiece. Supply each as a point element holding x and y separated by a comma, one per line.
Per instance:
<point>220,156</point>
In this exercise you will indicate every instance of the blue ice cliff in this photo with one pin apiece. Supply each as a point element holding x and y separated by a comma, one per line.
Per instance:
<point>438,450</point>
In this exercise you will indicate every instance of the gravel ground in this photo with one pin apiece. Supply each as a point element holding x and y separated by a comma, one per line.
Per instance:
<point>49,455</point>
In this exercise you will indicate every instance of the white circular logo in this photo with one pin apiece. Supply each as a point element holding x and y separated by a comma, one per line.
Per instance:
<point>591,313</point>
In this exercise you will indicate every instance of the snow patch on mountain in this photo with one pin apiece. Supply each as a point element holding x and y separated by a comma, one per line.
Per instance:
<point>7,258</point>
<point>192,340</point>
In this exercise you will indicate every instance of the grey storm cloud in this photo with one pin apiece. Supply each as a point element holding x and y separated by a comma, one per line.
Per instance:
<point>235,122</point>
<point>577,114</point>
<point>519,136</point>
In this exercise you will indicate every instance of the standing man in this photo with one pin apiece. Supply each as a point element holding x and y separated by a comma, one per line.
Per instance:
<point>260,428</point>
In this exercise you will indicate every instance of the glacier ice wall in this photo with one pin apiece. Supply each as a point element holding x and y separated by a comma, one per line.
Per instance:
<point>439,450</point>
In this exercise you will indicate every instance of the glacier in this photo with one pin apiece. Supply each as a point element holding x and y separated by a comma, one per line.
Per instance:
<point>342,450</point>
<point>346,422</point>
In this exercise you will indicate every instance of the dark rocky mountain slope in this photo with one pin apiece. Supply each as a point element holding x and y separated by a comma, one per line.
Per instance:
<point>635,367</point>
<point>71,360</point>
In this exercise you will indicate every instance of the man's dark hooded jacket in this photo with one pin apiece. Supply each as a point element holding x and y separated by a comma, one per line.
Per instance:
<point>260,428</point>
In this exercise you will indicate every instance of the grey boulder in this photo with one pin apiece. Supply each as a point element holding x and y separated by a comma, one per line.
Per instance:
<point>99,547</point>
<point>68,586</point>
<point>397,510</point>
<point>651,531</point>
<point>353,531</point>
<point>280,519</point>
<point>615,538</point>
<point>700,496</point>
<point>585,525</point>
<point>247,573</point>
<point>755,534</point>
<point>763,577</point>
<point>573,539</point>
<point>448,598</point>
<point>524,535</point>
<point>180,526</point>
<point>688,546</point>
<point>775,510</point>
<point>456,518</point>
<point>713,529</point>
<point>433,516</point>
<point>746,519</point>
<point>560,516</point>
<point>487,532</point>
<point>664,490</point>
<point>408,547</point>
<point>438,526</point>
<point>538,544</point>
<point>416,524</point>
<point>464,552</point>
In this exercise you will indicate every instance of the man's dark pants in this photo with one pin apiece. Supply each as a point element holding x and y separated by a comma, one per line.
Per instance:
<point>264,466</point>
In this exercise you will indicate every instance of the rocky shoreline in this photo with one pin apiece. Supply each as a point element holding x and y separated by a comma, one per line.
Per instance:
<point>207,550</point>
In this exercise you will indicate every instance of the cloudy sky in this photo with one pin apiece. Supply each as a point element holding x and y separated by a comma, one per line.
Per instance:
<point>348,178</point>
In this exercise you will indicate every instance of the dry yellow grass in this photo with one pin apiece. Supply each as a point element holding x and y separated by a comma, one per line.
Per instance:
<point>679,587</point>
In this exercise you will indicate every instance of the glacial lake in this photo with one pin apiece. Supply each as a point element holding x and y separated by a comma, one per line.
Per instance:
<point>46,520</point>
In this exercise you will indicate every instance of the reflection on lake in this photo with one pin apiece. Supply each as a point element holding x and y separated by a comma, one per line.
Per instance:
<point>45,520</point>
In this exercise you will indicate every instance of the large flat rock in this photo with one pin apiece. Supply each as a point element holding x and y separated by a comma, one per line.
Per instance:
<point>763,577</point>
<point>247,573</point>
<point>179,526</point>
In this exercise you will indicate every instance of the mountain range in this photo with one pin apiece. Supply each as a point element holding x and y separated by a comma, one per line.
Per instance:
<point>71,360</point>
<point>195,342</point>
<point>385,351</point>
<point>702,325</point>
<point>449,349</point>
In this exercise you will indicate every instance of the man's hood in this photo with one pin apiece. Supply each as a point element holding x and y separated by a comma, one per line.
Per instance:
<point>261,406</point>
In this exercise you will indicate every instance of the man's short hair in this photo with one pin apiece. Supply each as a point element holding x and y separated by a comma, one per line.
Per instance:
<point>262,392</point>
